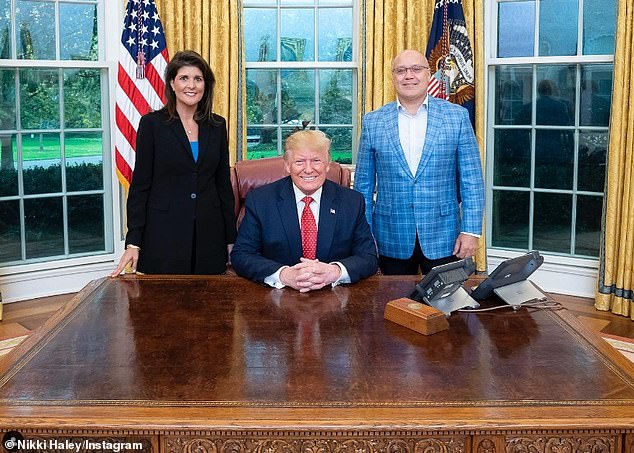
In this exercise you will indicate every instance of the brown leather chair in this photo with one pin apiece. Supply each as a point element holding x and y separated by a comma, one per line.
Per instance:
<point>249,174</point>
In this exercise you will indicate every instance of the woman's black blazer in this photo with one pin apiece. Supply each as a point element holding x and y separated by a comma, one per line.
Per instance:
<point>180,211</point>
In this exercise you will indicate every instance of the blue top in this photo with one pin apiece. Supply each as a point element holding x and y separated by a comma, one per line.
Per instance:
<point>194,146</point>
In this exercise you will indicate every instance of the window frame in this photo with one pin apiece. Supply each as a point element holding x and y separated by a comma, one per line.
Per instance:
<point>106,65</point>
<point>314,65</point>
<point>535,61</point>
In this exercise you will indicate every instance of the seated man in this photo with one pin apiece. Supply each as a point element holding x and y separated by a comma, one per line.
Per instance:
<point>305,231</point>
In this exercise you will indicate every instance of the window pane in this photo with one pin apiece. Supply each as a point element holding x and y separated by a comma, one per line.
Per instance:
<point>341,146</point>
<point>82,98</point>
<point>298,96</point>
<point>554,159</point>
<point>84,161</point>
<point>552,219</point>
<point>8,165</point>
<point>39,99</point>
<point>513,94</point>
<point>335,34</point>
<point>41,155</point>
<point>298,35</point>
<point>5,29</point>
<point>261,96</point>
<point>558,27</point>
<point>555,95</point>
<point>510,219</point>
<point>36,34</point>
<point>286,131</point>
<point>85,224</point>
<point>512,158</point>
<point>260,35</point>
<point>7,99</point>
<point>588,230</point>
<point>261,142</point>
<point>78,32</point>
<point>596,95</point>
<point>10,231</point>
<point>300,2</point>
<point>516,29</point>
<point>335,96</point>
<point>44,227</point>
<point>599,24</point>
<point>593,146</point>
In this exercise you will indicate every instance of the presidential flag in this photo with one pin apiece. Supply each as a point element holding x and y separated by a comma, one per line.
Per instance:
<point>143,57</point>
<point>450,56</point>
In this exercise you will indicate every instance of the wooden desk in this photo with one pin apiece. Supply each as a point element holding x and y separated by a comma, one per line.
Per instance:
<point>218,364</point>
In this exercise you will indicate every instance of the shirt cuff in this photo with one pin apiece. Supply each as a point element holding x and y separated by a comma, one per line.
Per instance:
<point>344,277</point>
<point>274,279</point>
<point>471,234</point>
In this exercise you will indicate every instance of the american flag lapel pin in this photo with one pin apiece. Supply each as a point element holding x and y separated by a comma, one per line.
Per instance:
<point>332,211</point>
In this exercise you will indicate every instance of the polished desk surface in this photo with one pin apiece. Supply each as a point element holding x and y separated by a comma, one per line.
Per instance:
<point>190,351</point>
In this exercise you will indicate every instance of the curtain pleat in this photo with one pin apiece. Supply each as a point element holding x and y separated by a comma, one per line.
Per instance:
<point>615,291</point>
<point>211,28</point>
<point>389,27</point>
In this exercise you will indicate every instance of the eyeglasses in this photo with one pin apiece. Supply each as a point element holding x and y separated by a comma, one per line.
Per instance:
<point>402,70</point>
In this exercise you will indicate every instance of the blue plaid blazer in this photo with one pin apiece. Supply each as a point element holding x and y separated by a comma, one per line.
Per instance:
<point>444,197</point>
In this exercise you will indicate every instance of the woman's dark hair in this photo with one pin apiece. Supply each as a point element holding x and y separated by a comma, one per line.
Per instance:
<point>204,111</point>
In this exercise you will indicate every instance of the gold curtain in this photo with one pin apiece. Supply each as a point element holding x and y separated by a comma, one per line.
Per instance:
<point>390,27</point>
<point>211,28</point>
<point>616,267</point>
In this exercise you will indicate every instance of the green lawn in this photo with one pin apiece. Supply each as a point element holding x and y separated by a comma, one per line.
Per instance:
<point>49,147</point>
<point>259,152</point>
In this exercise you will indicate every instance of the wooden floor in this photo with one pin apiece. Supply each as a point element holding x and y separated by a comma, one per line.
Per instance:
<point>21,318</point>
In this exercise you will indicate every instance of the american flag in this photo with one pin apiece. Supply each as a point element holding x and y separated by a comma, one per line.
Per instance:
<point>143,57</point>
<point>450,56</point>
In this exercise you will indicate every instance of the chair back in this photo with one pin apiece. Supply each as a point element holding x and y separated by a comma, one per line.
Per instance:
<point>249,174</point>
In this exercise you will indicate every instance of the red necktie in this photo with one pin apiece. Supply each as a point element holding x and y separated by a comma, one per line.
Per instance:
<point>309,230</point>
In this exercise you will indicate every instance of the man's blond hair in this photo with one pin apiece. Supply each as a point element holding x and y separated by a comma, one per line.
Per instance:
<point>307,139</point>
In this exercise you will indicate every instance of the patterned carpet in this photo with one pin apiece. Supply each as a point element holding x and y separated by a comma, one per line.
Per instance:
<point>10,343</point>
<point>624,345</point>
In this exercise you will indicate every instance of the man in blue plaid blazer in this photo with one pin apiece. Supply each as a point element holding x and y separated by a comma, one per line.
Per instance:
<point>421,155</point>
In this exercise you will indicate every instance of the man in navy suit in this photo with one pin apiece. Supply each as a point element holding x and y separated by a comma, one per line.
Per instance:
<point>305,231</point>
<point>421,155</point>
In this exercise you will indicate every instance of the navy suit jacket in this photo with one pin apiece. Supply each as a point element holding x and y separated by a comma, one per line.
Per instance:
<point>269,236</point>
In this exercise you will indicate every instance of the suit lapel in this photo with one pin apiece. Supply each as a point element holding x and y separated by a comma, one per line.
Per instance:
<point>434,125</point>
<point>328,211</point>
<point>287,208</point>
<point>395,139</point>
<point>176,126</point>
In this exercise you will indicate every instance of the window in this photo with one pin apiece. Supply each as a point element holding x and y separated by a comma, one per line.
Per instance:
<point>300,73</point>
<point>550,85</point>
<point>54,190</point>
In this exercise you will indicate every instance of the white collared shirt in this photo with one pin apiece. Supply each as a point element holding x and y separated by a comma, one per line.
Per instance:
<point>274,279</point>
<point>412,130</point>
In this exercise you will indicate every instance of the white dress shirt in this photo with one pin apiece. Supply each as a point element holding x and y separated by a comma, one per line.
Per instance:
<point>274,279</point>
<point>412,130</point>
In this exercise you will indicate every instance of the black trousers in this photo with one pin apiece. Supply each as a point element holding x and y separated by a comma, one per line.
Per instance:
<point>410,266</point>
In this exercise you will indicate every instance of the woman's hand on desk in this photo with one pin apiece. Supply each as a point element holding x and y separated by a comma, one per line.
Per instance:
<point>130,256</point>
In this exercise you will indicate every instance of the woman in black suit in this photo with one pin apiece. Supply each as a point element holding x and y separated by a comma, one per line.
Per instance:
<point>180,205</point>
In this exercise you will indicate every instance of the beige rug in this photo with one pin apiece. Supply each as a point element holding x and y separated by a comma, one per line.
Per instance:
<point>624,345</point>
<point>10,343</point>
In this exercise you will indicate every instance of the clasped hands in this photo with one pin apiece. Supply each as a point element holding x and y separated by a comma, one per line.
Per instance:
<point>308,275</point>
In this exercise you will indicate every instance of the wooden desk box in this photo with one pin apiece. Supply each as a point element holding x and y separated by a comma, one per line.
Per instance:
<point>416,316</point>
